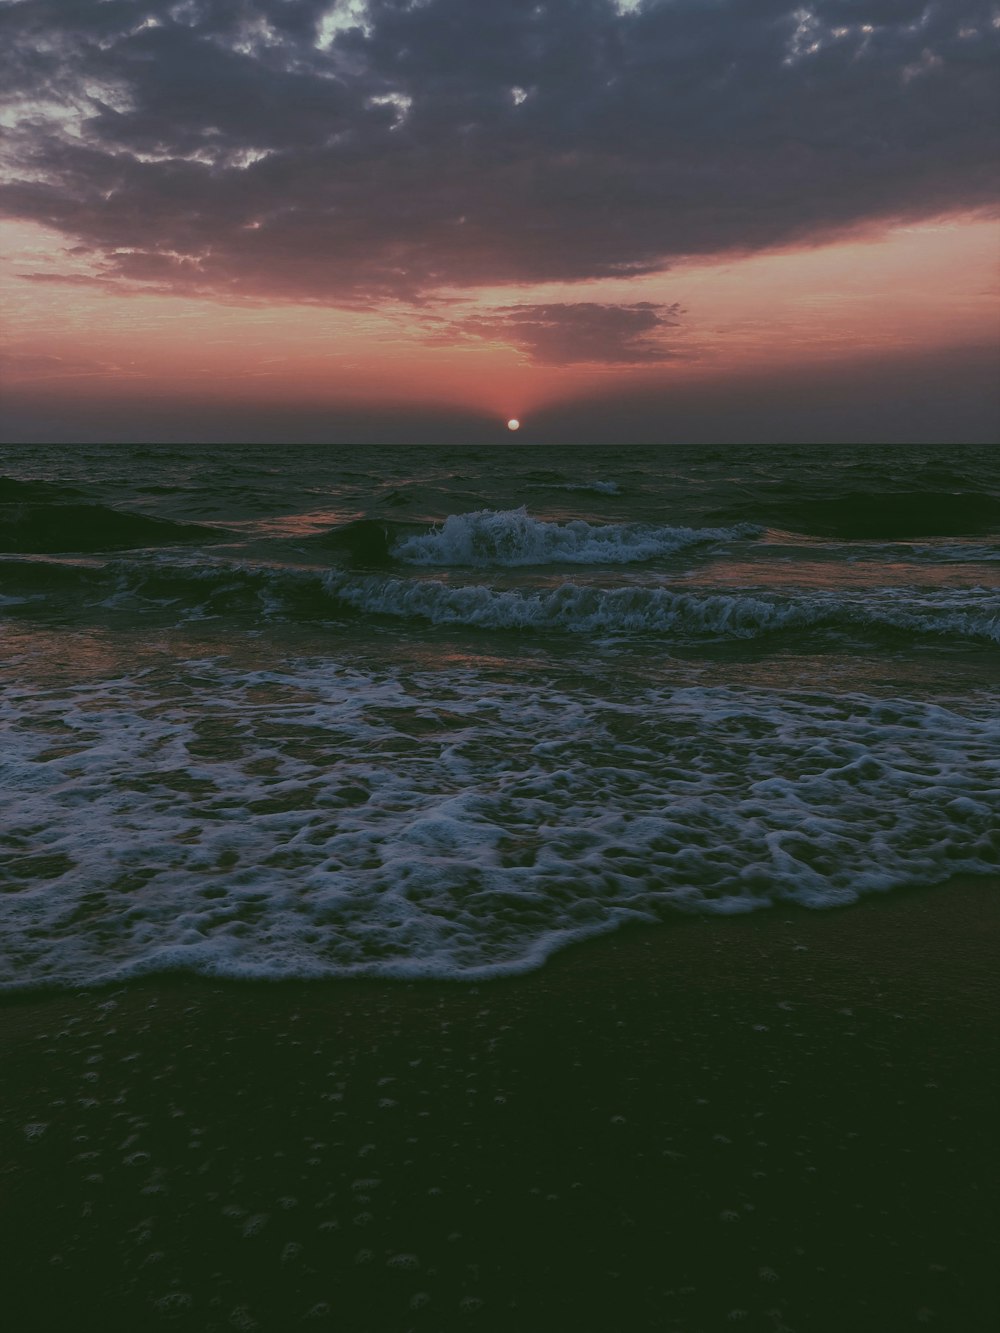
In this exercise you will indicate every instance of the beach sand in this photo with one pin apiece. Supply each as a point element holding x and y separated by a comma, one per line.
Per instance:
<point>785,1121</point>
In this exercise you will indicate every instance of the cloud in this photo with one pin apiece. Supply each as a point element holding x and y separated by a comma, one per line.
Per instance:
<point>901,396</point>
<point>566,333</point>
<point>29,367</point>
<point>341,151</point>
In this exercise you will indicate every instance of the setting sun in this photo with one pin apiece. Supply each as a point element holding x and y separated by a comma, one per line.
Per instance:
<point>513,424</point>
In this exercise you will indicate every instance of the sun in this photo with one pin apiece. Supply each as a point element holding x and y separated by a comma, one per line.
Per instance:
<point>513,424</point>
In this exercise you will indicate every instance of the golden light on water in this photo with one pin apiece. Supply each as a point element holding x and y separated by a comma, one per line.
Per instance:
<point>513,424</point>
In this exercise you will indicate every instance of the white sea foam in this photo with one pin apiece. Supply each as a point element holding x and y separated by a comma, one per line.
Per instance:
<point>320,821</point>
<point>511,538</point>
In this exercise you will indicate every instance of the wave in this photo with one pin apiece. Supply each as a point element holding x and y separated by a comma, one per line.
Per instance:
<point>966,614</point>
<point>366,541</point>
<point>597,487</point>
<point>221,588</point>
<point>512,538</point>
<point>861,515</point>
<point>32,527</point>
<point>14,490</point>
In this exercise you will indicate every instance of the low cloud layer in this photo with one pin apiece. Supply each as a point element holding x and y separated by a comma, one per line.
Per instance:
<point>563,334</point>
<point>366,149</point>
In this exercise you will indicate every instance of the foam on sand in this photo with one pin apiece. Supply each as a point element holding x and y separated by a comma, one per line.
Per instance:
<point>328,822</point>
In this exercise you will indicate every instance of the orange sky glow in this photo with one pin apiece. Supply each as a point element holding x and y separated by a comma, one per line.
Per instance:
<point>391,218</point>
<point>910,289</point>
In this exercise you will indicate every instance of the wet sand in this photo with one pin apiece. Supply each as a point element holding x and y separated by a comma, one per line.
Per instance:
<point>777,1122</point>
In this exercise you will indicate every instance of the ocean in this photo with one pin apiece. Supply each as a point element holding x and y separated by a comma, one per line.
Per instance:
<point>304,712</point>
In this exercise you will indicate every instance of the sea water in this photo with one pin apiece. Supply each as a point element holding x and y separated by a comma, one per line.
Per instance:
<point>316,711</point>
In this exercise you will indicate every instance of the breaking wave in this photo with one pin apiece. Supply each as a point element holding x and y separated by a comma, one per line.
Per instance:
<point>513,538</point>
<point>969,614</point>
<point>220,588</point>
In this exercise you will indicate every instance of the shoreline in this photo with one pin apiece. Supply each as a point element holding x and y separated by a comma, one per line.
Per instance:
<point>573,953</point>
<point>782,1119</point>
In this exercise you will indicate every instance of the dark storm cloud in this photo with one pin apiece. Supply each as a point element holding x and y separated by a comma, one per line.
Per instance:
<point>337,152</point>
<point>584,331</point>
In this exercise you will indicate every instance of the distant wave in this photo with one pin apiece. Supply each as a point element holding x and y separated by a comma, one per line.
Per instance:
<point>598,487</point>
<point>601,487</point>
<point>513,538</point>
<point>860,515</point>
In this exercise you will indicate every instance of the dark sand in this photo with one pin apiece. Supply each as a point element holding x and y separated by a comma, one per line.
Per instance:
<point>780,1122</point>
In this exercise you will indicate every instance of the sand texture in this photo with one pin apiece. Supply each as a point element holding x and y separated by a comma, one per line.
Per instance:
<point>784,1122</point>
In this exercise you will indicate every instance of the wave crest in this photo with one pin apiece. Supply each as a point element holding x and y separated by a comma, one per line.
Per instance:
<point>511,537</point>
<point>578,608</point>
<point>223,588</point>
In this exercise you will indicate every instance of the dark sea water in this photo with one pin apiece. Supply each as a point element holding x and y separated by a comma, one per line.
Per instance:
<point>311,712</point>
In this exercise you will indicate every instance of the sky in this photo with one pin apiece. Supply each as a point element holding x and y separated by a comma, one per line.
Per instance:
<point>410,220</point>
